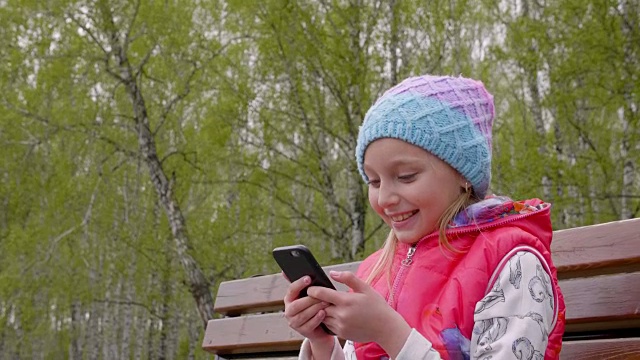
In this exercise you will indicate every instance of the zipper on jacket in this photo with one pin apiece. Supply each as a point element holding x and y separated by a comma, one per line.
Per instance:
<point>406,263</point>
<point>408,260</point>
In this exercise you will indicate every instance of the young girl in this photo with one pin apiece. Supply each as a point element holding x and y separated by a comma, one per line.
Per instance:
<point>461,275</point>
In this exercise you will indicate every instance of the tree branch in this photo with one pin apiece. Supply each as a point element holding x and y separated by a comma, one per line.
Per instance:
<point>129,303</point>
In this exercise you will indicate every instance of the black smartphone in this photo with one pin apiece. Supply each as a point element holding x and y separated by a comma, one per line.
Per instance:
<point>297,261</point>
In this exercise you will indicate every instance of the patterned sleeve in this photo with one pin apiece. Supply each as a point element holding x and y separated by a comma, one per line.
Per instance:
<point>514,319</point>
<point>417,347</point>
<point>305,351</point>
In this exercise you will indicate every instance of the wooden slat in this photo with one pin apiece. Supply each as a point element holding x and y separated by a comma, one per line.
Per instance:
<point>593,303</point>
<point>262,293</point>
<point>259,357</point>
<point>597,249</point>
<point>610,349</point>
<point>576,252</point>
<point>289,355</point>
<point>250,334</point>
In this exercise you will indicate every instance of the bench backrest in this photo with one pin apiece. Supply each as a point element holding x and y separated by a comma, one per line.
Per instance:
<point>598,268</point>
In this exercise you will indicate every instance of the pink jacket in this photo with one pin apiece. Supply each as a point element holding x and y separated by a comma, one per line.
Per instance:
<point>437,293</point>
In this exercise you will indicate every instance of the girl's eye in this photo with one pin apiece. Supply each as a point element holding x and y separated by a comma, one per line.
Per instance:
<point>408,177</point>
<point>374,183</point>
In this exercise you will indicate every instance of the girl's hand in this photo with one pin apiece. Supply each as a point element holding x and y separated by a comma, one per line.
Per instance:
<point>304,315</point>
<point>362,315</point>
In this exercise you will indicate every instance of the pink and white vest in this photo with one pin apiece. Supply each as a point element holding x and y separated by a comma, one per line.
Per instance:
<point>439,289</point>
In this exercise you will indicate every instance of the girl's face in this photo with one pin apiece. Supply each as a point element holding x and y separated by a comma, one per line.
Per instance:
<point>409,187</point>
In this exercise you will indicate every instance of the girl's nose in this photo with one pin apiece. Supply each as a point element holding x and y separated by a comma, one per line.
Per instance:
<point>387,196</point>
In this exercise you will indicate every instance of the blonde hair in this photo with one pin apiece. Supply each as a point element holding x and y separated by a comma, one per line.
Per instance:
<point>385,260</point>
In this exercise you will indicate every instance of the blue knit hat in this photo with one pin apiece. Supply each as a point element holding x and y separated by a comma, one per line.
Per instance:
<point>450,117</point>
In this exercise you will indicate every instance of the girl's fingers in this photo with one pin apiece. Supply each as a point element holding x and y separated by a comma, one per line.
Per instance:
<point>293,292</point>
<point>314,322</point>
<point>308,315</point>
<point>311,324</point>
<point>293,308</point>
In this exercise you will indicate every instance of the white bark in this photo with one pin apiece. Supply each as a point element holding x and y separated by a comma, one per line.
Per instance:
<point>131,200</point>
<point>531,75</point>
<point>75,348</point>
<point>560,149</point>
<point>574,211</point>
<point>18,331</point>
<point>127,312</point>
<point>194,340</point>
<point>109,316</point>
<point>164,351</point>
<point>354,193</point>
<point>356,196</point>
<point>139,322</point>
<point>628,167</point>
<point>152,323</point>
<point>198,284</point>
<point>394,40</point>
<point>629,113</point>
<point>173,335</point>
<point>93,334</point>
<point>3,329</point>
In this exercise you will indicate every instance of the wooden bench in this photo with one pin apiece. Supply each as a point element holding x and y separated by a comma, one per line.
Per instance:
<point>599,272</point>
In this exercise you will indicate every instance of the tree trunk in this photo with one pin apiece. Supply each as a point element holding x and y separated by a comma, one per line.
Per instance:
<point>562,161</point>
<point>165,313</point>
<point>127,311</point>
<point>198,284</point>
<point>394,40</point>
<point>151,323</point>
<point>139,323</point>
<point>19,333</point>
<point>355,116</point>
<point>194,339</point>
<point>575,212</point>
<point>453,31</point>
<point>109,324</point>
<point>173,336</point>
<point>338,243</point>
<point>357,200</point>
<point>131,200</point>
<point>531,75</point>
<point>629,113</point>
<point>75,348</point>
<point>3,328</point>
<point>113,286</point>
<point>628,167</point>
<point>93,333</point>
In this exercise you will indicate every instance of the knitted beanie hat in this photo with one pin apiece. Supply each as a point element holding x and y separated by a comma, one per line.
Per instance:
<point>450,117</point>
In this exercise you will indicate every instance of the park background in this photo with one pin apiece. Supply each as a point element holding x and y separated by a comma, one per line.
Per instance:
<point>151,149</point>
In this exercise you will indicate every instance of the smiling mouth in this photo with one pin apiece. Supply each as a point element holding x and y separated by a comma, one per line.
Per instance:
<point>403,217</point>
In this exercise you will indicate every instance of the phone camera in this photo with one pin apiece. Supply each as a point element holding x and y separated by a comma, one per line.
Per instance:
<point>295,253</point>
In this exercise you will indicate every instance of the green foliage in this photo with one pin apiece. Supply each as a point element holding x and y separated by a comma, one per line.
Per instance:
<point>254,108</point>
